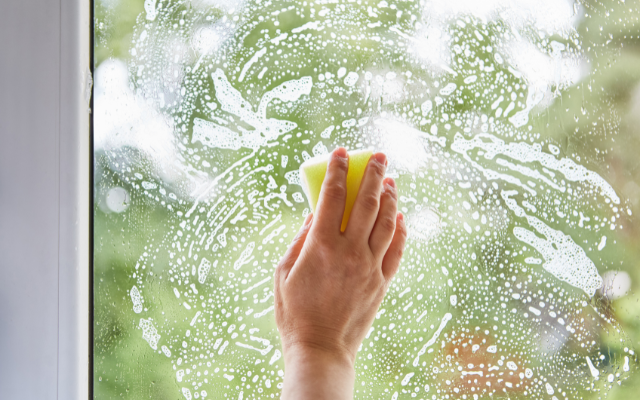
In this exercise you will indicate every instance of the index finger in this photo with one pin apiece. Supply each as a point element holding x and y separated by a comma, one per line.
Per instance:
<point>333,194</point>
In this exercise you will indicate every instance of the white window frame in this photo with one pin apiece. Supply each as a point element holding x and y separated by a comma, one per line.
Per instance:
<point>45,241</point>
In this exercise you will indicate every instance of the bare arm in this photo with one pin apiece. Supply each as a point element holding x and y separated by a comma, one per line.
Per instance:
<point>330,284</point>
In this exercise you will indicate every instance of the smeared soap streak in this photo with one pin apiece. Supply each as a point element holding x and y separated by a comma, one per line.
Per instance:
<point>447,317</point>
<point>603,242</point>
<point>136,298</point>
<point>149,332</point>
<point>203,192</point>
<point>276,356</point>
<point>214,135</point>
<point>252,61</point>
<point>594,371</point>
<point>564,259</point>
<point>407,378</point>
<point>534,96</point>
<point>526,153</point>
<point>150,9</point>
<point>263,352</point>
<point>195,318</point>
<point>245,257</point>
<point>203,269</point>
<point>313,25</point>
<point>262,282</point>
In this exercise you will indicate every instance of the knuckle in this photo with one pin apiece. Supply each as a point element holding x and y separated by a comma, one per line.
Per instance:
<point>370,202</point>
<point>339,164</point>
<point>388,224</point>
<point>335,191</point>
<point>377,169</point>
<point>391,193</point>
<point>397,253</point>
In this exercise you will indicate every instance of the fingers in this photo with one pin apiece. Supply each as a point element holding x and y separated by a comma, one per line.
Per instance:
<point>365,209</point>
<point>392,258</point>
<point>385,224</point>
<point>333,194</point>
<point>292,253</point>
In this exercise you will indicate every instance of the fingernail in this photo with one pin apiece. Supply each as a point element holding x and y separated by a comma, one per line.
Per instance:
<point>401,217</point>
<point>381,158</point>
<point>340,152</point>
<point>391,182</point>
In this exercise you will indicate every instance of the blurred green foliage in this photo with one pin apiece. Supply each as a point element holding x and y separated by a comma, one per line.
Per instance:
<point>126,367</point>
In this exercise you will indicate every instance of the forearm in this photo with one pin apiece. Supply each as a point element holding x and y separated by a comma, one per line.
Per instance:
<point>313,374</point>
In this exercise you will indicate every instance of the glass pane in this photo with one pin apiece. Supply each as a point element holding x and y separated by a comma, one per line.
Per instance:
<point>511,129</point>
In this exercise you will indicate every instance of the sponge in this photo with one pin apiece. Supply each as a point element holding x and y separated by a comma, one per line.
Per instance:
<point>313,171</point>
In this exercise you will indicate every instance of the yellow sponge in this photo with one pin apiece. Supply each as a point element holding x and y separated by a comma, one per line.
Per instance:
<point>312,174</point>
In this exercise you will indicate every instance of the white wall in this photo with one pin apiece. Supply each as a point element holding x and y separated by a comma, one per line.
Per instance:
<point>44,199</point>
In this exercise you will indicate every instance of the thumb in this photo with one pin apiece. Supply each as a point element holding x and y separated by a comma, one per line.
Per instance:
<point>292,253</point>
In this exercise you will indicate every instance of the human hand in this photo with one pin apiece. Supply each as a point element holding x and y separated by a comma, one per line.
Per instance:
<point>330,284</point>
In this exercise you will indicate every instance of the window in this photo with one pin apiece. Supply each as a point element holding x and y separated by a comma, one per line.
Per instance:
<point>511,128</point>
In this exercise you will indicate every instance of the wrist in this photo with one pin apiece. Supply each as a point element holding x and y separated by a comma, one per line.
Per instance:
<point>317,373</point>
<point>318,356</point>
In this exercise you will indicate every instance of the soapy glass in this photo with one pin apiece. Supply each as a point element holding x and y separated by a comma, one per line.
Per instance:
<point>510,129</point>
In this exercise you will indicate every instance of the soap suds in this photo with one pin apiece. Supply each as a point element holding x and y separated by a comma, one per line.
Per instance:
<point>198,142</point>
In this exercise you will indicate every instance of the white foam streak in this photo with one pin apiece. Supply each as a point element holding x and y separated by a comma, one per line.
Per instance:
<point>212,134</point>
<point>564,259</point>
<point>525,153</point>
<point>447,317</point>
